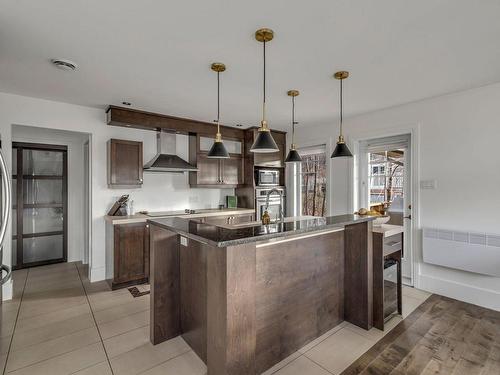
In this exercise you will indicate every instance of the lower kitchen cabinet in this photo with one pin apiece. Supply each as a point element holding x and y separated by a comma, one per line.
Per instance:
<point>131,254</point>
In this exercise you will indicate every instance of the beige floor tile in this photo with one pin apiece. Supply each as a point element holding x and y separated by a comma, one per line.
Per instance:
<point>186,364</point>
<point>51,331</point>
<point>125,342</point>
<point>67,363</point>
<point>52,317</point>
<point>99,369</point>
<point>55,287</point>
<point>3,359</point>
<point>410,304</point>
<point>112,300</point>
<point>323,337</point>
<point>302,366</point>
<point>375,334</point>
<point>52,348</point>
<point>282,363</point>
<point>43,306</point>
<point>10,305</point>
<point>148,356</point>
<point>125,324</point>
<point>415,293</point>
<point>5,344</point>
<point>136,305</point>
<point>7,324</point>
<point>339,350</point>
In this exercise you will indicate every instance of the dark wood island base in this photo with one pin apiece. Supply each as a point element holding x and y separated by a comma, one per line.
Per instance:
<point>244,307</point>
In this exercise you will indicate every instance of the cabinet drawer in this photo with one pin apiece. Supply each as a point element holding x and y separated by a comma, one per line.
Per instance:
<point>393,244</point>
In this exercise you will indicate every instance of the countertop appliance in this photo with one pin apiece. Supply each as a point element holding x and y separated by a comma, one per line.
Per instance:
<point>6,208</point>
<point>277,201</point>
<point>267,177</point>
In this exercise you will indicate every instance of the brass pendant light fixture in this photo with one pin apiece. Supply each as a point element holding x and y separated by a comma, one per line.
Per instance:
<point>264,143</point>
<point>341,150</point>
<point>218,150</point>
<point>293,155</point>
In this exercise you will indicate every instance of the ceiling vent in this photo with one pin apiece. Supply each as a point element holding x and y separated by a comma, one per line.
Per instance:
<point>64,64</point>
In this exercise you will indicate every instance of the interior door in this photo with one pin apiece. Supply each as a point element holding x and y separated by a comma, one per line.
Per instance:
<point>39,224</point>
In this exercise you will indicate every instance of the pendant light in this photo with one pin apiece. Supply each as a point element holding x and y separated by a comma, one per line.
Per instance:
<point>293,155</point>
<point>264,143</point>
<point>218,150</point>
<point>341,150</point>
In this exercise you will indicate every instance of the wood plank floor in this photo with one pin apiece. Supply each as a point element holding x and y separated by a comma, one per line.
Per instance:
<point>442,336</point>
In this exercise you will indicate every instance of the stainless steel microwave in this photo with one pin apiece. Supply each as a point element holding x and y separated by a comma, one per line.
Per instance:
<point>268,177</point>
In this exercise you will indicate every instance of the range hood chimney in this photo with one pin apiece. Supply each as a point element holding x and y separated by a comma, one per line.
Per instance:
<point>166,159</point>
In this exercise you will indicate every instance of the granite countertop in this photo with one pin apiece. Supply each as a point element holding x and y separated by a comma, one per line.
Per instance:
<point>222,236</point>
<point>138,218</point>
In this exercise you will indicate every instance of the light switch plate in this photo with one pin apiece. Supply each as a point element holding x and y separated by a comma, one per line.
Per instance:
<point>184,241</point>
<point>428,184</point>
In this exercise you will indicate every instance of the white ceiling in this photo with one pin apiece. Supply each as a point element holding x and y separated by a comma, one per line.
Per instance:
<point>157,54</point>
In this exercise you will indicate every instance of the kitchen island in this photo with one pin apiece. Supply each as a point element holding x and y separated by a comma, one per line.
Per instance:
<point>246,297</point>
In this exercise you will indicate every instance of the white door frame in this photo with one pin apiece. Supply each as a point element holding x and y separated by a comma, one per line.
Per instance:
<point>414,131</point>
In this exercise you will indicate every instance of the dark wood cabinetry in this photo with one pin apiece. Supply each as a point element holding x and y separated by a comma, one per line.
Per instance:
<point>386,248</point>
<point>131,254</point>
<point>215,172</point>
<point>124,163</point>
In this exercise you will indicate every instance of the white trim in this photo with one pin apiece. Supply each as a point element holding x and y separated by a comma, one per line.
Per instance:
<point>464,292</point>
<point>97,274</point>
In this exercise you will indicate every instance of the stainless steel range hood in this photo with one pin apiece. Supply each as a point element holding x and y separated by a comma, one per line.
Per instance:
<point>166,159</point>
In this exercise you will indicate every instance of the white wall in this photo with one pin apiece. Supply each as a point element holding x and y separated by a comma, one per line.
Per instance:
<point>458,147</point>
<point>159,192</point>
<point>74,141</point>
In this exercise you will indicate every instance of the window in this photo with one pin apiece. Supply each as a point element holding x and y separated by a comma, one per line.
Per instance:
<point>386,176</point>
<point>313,180</point>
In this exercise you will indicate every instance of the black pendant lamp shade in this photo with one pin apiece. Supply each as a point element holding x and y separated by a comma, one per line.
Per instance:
<point>293,156</point>
<point>341,150</point>
<point>218,150</point>
<point>264,143</point>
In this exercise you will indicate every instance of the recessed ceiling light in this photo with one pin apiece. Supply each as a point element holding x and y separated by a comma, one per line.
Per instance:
<point>127,103</point>
<point>239,125</point>
<point>64,64</point>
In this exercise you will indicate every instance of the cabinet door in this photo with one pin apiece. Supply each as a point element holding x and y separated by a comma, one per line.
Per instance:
<point>208,170</point>
<point>232,170</point>
<point>124,163</point>
<point>131,253</point>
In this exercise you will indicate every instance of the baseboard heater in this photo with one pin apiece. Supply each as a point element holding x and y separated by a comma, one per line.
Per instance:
<point>473,252</point>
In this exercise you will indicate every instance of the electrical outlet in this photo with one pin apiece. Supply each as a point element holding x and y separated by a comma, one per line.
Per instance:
<point>184,241</point>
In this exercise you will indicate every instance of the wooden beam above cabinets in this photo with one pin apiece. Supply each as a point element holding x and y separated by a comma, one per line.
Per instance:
<point>133,118</point>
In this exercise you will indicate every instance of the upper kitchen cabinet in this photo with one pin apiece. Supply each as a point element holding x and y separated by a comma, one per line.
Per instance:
<point>272,159</point>
<point>124,163</point>
<point>215,173</point>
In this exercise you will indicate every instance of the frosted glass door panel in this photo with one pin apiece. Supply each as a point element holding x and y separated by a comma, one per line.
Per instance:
<point>44,163</point>
<point>45,248</point>
<point>39,220</point>
<point>36,191</point>
<point>14,222</point>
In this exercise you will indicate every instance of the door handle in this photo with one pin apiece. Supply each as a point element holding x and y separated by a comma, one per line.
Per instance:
<point>407,217</point>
